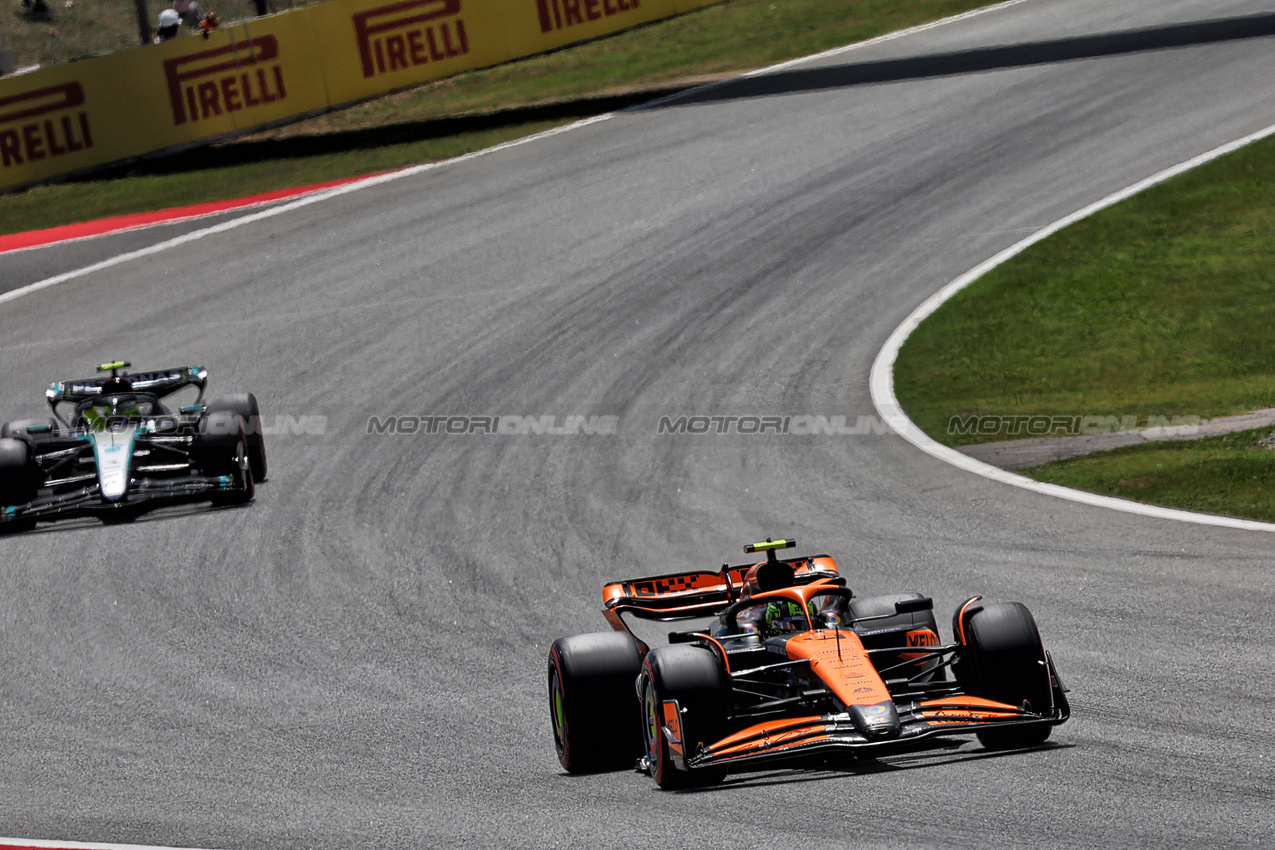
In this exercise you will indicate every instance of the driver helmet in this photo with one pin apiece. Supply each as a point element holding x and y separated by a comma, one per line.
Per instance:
<point>784,616</point>
<point>94,416</point>
<point>116,385</point>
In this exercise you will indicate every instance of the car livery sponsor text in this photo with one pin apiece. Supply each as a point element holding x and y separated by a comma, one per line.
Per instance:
<point>561,14</point>
<point>413,32</point>
<point>922,637</point>
<point>42,124</point>
<point>223,80</point>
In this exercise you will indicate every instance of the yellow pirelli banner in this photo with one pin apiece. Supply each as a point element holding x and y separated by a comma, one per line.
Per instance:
<point>269,70</point>
<point>123,105</point>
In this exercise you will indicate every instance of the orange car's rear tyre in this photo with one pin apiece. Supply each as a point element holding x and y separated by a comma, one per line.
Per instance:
<point>593,703</point>
<point>692,678</point>
<point>1004,660</point>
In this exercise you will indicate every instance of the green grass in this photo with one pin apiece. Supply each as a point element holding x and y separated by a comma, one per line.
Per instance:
<point>87,28</point>
<point>1232,475</point>
<point>732,37</point>
<point>1161,305</point>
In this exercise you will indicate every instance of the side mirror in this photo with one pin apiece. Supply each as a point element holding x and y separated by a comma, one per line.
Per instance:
<point>911,606</point>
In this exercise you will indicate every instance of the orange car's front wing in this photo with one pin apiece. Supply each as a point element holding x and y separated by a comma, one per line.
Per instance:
<point>800,737</point>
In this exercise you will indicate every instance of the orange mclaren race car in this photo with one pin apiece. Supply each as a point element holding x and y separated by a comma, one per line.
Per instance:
<point>787,666</point>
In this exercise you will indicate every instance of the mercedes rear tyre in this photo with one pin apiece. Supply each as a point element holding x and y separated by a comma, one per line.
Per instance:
<point>20,429</point>
<point>683,709</point>
<point>1003,660</point>
<point>18,481</point>
<point>223,452</point>
<point>593,705</point>
<point>245,405</point>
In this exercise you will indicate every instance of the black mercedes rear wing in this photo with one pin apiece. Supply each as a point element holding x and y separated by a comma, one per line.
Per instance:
<point>161,383</point>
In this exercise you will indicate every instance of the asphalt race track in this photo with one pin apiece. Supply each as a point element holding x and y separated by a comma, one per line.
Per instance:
<point>357,659</point>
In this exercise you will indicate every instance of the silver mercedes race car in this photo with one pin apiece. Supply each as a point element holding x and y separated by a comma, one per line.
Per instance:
<point>113,450</point>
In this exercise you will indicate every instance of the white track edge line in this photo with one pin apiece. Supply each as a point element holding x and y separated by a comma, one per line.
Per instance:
<point>835,51</point>
<point>348,188</point>
<point>887,404</point>
<point>150,225</point>
<point>890,36</point>
<point>305,201</point>
<point>78,845</point>
<point>390,176</point>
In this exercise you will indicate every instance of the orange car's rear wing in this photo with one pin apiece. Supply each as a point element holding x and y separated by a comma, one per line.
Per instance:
<point>698,592</point>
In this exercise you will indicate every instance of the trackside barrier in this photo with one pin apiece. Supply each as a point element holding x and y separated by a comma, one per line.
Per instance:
<point>74,117</point>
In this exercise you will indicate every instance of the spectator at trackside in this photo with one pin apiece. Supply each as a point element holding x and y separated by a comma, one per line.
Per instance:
<point>169,23</point>
<point>190,13</point>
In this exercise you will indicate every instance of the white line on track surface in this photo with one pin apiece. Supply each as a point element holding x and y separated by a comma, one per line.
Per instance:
<point>24,844</point>
<point>882,371</point>
<point>887,404</point>
<point>28,844</point>
<point>419,169</point>
<point>306,201</point>
<point>882,377</point>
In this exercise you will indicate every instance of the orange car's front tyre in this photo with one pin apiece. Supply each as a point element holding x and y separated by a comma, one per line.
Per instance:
<point>1003,660</point>
<point>691,681</point>
<point>593,705</point>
